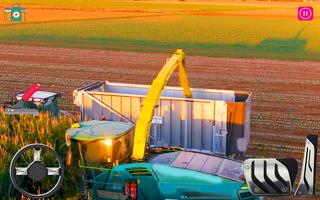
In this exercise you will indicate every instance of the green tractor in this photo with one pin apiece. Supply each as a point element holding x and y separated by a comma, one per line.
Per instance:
<point>37,101</point>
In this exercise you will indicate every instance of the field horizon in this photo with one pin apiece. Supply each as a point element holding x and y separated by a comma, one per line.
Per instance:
<point>238,29</point>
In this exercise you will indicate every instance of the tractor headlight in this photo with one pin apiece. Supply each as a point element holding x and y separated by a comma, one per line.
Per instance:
<point>37,103</point>
<point>244,187</point>
<point>75,125</point>
<point>108,142</point>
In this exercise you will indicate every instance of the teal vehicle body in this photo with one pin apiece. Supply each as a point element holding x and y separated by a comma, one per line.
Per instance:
<point>167,180</point>
<point>167,173</point>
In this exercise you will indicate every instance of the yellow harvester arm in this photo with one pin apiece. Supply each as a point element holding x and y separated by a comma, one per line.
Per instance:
<point>143,124</point>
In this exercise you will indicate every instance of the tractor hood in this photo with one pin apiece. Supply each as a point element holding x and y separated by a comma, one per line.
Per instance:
<point>173,182</point>
<point>176,182</point>
<point>170,174</point>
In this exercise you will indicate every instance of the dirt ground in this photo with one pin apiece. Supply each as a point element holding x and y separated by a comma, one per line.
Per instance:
<point>286,94</point>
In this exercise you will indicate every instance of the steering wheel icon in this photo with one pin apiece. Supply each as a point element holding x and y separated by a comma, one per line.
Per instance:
<point>37,171</point>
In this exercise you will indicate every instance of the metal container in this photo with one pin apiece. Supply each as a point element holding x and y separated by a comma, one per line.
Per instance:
<point>216,121</point>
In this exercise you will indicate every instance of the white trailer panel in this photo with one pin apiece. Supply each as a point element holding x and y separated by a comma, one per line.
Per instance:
<point>216,121</point>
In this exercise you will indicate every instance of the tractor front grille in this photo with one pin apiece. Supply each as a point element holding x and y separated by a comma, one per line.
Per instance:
<point>139,171</point>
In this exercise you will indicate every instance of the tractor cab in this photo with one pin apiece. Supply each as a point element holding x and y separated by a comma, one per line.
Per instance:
<point>101,146</point>
<point>40,101</point>
<point>102,143</point>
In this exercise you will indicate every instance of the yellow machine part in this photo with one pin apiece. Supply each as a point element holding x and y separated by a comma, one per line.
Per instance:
<point>143,124</point>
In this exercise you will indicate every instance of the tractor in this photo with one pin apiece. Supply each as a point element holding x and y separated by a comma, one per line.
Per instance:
<point>32,102</point>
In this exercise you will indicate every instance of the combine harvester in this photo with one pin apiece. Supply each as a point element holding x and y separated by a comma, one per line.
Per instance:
<point>158,142</point>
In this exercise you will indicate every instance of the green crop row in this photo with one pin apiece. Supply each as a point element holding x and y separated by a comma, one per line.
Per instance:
<point>229,36</point>
<point>18,131</point>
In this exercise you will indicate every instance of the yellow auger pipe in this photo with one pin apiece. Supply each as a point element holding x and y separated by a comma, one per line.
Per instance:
<point>143,124</point>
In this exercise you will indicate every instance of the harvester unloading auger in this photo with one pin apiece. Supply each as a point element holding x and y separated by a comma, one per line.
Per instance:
<point>143,124</point>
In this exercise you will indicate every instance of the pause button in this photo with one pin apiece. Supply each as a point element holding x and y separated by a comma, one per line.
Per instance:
<point>305,13</point>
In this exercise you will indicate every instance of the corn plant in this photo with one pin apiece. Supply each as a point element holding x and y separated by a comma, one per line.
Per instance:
<point>18,131</point>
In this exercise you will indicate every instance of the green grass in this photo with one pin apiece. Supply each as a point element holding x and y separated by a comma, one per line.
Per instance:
<point>283,38</point>
<point>230,36</point>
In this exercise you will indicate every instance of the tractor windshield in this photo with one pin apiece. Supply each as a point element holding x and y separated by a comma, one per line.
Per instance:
<point>20,104</point>
<point>41,100</point>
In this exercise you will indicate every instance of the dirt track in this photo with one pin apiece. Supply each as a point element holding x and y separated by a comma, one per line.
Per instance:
<point>286,94</point>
